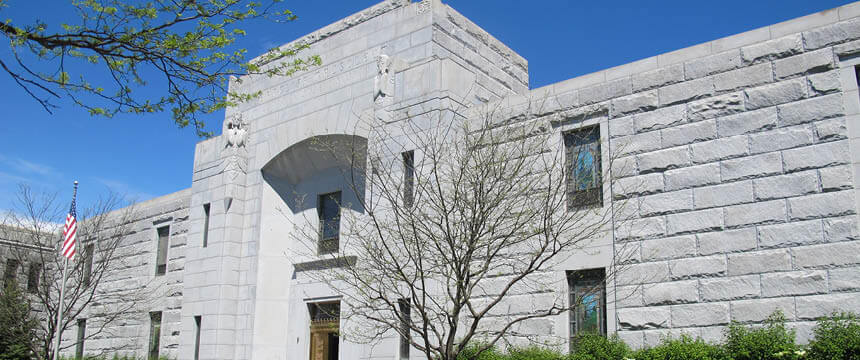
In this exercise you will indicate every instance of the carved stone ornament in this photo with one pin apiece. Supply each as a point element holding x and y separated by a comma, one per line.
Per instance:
<point>235,131</point>
<point>383,83</point>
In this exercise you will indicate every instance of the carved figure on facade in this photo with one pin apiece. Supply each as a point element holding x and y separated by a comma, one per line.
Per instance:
<point>383,87</point>
<point>235,135</point>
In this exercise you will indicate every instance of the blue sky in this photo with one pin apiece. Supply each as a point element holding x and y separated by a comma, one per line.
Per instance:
<point>148,156</point>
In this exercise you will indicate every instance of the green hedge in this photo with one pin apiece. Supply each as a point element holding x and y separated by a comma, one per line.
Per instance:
<point>837,337</point>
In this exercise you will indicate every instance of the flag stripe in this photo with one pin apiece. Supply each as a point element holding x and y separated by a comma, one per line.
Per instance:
<point>70,231</point>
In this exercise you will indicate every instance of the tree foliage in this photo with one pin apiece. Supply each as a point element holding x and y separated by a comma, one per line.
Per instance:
<point>17,324</point>
<point>188,45</point>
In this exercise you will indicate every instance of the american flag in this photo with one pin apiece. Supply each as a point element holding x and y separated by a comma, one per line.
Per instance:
<point>70,230</point>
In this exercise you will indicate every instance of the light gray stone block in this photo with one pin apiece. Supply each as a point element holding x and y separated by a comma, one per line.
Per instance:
<point>621,126</point>
<point>751,166</point>
<point>756,213</point>
<point>747,122</point>
<point>665,203</point>
<point>847,279</point>
<point>744,77</point>
<point>822,205</point>
<point>831,34</point>
<point>689,133</point>
<point>664,159</point>
<point>638,185</point>
<point>707,314</point>
<point>669,248</point>
<point>790,234</point>
<point>712,64</point>
<point>775,94</point>
<point>722,195</point>
<point>694,221</point>
<point>716,106</point>
<point>831,129</point>
<point>686,91</point>
<point>816,156</point>
<point>645,273</point>
<point>623,167</point>
<point>605,91</point>
<point>675,292</point>
<point>780,139</point>
<point>758,262</point>
<point>847,49</point>
<point>662,118</point>
<point>811,62</point>
<point>727,241</point>
<point>638,102</point>
<point>827,255</point>
<point>730,288</point>
<point>644,318</point>
<point>788,185</point>
<point>703,266</point>
<point>814,109</point>
<point>773,49</point>
<point>707,174</point>
<point>644,228</point>
<point>824,83</point>
<point>719,149</point>
<point>817,306</point>
<point>659,77</point>
<point>758,310</point>
<point>794,283</point>
<point>841,229</point>
<point>638,143</point>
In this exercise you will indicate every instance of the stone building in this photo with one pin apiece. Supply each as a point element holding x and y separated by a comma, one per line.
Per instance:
<point>740,159</point>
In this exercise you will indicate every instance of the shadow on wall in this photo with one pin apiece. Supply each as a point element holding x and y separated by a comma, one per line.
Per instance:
<point>320,165</point>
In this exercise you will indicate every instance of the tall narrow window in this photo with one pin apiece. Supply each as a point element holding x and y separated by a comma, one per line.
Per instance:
<point>11,272</point>
<point>89,254</point>
<point>205,225</point>
<point>325,326</point>
<point>82,332</point>
<point>408,178</point>
<point>582,160</point>
<point>588,302</point>
<point>197,321</point>
<point>33,277</point>
<point>154,334</point>
<point>405,321</point>
<point>329,213</point>
<point>161,256</point>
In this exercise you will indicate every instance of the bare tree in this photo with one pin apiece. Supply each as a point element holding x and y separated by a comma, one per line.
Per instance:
<point>458,217</point>
<point>34,229</point>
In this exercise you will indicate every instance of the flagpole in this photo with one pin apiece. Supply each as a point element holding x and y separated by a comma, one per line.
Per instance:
<point>60,309</point>
<point>59,326</point>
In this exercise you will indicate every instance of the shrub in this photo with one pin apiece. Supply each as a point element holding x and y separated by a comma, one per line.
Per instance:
<point>772,341</point>
<point>683,348</point>
<point>836,337</point>
<point>469,353</point>
<point>533,353</point>
<point>17,324</point>
<point>599,347</point>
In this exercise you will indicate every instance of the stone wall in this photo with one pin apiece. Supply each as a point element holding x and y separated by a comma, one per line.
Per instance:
<point>738,159</point>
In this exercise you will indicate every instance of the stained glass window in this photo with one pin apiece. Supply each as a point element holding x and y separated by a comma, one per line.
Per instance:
<point>582,157</point>
<point>588,303</point>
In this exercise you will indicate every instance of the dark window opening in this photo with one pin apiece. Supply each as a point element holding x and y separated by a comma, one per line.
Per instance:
<point>587,290</point>
<point>197,321</point>
<point>408,178</point>
<point>89,254</point>
<point>583,168</point>
<point>11,272</point>
<point>329,215</point>
<point>154,334</point>
<point>161,256</point>
<point>33,277</point>
<point>205,225</point>
<point>405,322</point>
<point>79,345</point>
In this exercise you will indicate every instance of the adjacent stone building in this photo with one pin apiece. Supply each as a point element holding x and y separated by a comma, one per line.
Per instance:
<point>739,157</point>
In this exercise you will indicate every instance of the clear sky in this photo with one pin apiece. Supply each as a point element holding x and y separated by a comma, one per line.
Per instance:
<point>148,156</point>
